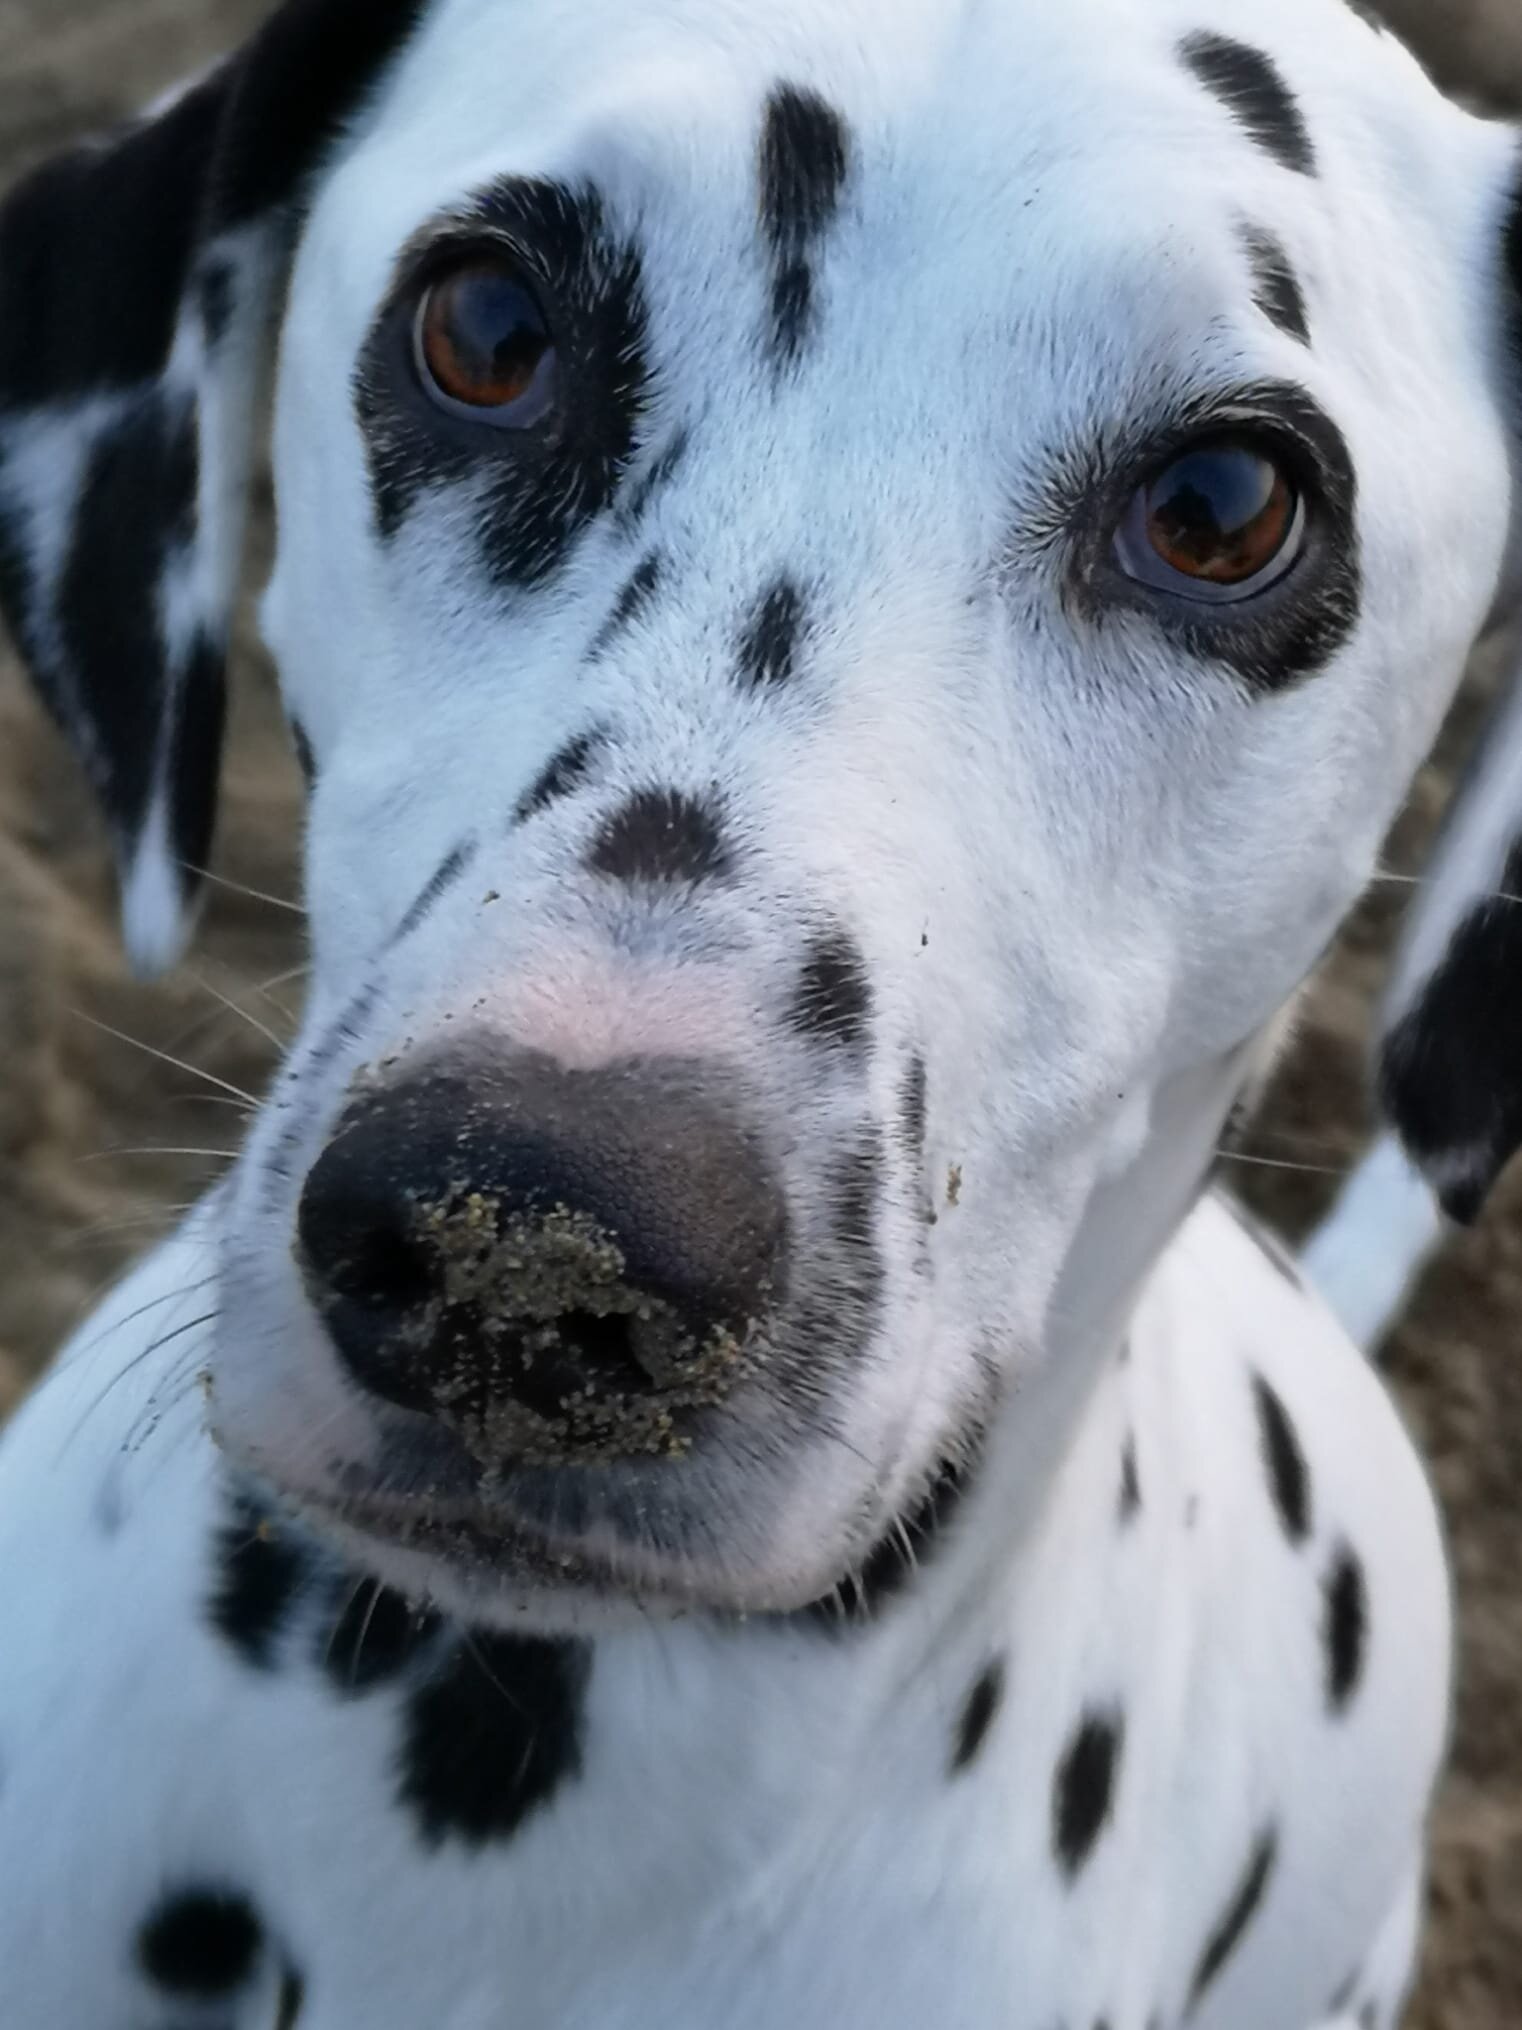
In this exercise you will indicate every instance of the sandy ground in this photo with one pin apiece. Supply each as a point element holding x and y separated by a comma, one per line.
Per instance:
<point>80,1108</point>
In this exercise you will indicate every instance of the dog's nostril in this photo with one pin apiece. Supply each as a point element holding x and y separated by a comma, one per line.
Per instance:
<point>605,1349</point>
<point>386,1273</point>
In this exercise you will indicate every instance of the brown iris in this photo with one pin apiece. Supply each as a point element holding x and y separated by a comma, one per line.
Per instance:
<point>483,345</point>
<point>1222,519</point>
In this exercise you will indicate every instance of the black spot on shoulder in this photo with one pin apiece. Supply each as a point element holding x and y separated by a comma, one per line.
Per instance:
<point>493,1735</point>
<point>1276,288</point>
<point>662,835</point>
<point>833,1000</point>
<point>638,591</point>
<point>978,1715</point>
<point>564,773</point>
<point>1236,1917</point>
<point>1130,1481</point>
<point>262,1567</point>
<point>201,1943</point>
<point>769,642</point>
<point>1345,1627</point>
<point>804,160</point>
<point>1288,1477</point>
<point>449,870</point>
<point>1249,85</point>
<point>373,1635</point>
<point>1084,1788</point>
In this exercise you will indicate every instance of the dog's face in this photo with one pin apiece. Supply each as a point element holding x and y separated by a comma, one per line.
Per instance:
<point>861,587</point>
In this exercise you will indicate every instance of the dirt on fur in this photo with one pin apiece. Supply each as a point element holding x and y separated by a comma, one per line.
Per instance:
<point>101,1139</point>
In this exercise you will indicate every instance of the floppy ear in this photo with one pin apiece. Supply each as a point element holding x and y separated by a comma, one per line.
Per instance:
<point>139,282</point>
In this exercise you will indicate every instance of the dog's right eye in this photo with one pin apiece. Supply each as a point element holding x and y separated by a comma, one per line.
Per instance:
<point>482,345</point>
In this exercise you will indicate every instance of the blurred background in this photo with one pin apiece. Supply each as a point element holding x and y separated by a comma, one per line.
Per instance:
<point>86,1178</point>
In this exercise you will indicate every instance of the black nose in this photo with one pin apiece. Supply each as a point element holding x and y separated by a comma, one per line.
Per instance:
<point>558,1264</point>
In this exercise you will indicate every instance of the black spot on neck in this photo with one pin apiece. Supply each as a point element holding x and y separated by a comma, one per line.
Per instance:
<point>201,1943</point>
<point>1345,1627</point>
<point>833,1000</point>
<point>1276,288</point>
<point>262,1566</point>
<point>638,591</point>
<point>1249,85</point>
<point>978,1715</point>
<point>372,1634</point>
<point>1288,1477</point>
<point>1129,1505</point>
<point>493,1735</point>
<point>662,835</point>
<point>768,651</point>
<point>1083,1791</point>
<point>565,772</point>
<point>804,160</point>
<point>1236,1917</point>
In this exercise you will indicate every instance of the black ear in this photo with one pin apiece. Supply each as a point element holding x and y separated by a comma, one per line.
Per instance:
<point>139,280</point>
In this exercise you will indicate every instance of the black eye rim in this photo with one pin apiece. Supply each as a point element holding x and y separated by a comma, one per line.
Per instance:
<point>409,306</point>
<point>1142,564</point>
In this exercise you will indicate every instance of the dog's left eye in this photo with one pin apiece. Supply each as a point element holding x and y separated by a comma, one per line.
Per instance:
<point>1221,521</point>
<point>483,346</point>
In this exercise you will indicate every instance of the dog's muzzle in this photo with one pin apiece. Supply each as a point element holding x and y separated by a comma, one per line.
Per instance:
<point>559,1266</point>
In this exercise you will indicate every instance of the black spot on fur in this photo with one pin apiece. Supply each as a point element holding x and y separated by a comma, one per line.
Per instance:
<point>1345,1628</point>
<point>449,870</point>
<point>1236,1917</point>
<point>532,492</point>
<point>1450,1072</point>
<point>201,1943</point>
<point>289,2002</point>
<point>1084,1789</point>
<point>1130,1481</point>
<point>805,155</point>
<point>493,1735</point>
<point>769,643</point>
<point>1249,85</point>
<point>215,294</point>
<point>1276,289</point>
<point>262,1567</point>
<point>1288,1478</point>
<point>636,595</point>
<point>306,760</point>
<point>195,748</point>
<point>833,1000</point>
<point>978,1715</point>
<point>568,769</point>
<point>375,1635</point>
<point>914,1102</point>
<point>662,835</point>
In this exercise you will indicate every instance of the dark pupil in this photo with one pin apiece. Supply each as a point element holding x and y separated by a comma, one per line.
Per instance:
<point>497,327</point>
<point>1205,502</point>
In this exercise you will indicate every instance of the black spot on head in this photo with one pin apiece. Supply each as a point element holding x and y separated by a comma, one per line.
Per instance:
<point>833,1000</point>
<point>1288,1477</point>
<point>262,1566</point>
<point>449,870</point>
<point>1276,290</point>
<point>978,1715</point>
<point>1236,1917</point>
<point>564,773</point>
<point>201,1943</point>
<point>914,1102</point>
<point>1130,1481</point>
<point>662,835</point>
<point>804,158</point>
<point>1345,1627</point>
<point>639,589</point>
<point>306,761</point>
<point>1250,87</point>
<point>532,493</point>
<point>374,1635</point>
<point>493,1735</point>
<point>1084,1788</point>
<point>769,641</point>
<point>1450,1076</point>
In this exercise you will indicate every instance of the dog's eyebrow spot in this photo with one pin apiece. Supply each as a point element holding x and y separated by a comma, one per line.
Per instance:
<point>443,878</point>
<point>1084,1788</point>
<point>1250,87</point>
<point>1276,289</point>
<point>804,159</point>
<point>1236,1917</point>
<point>978,1715</point>
<point>638,590</point>
<point>1288,1477</point>
<point>563,773</point>
<point>769,641</point>
<point>1346,1627</point>
<point>201,1942</point>
<point>493,1735</point>
<point>833,998</point>
<point>262,1569</point>
<point>374,1635</point>
<point>661,835</point>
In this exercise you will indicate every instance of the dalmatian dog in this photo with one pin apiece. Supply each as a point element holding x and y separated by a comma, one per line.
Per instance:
<point>858,586</point>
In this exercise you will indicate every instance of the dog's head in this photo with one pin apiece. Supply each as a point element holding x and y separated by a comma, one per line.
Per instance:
<point>860,587</point>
